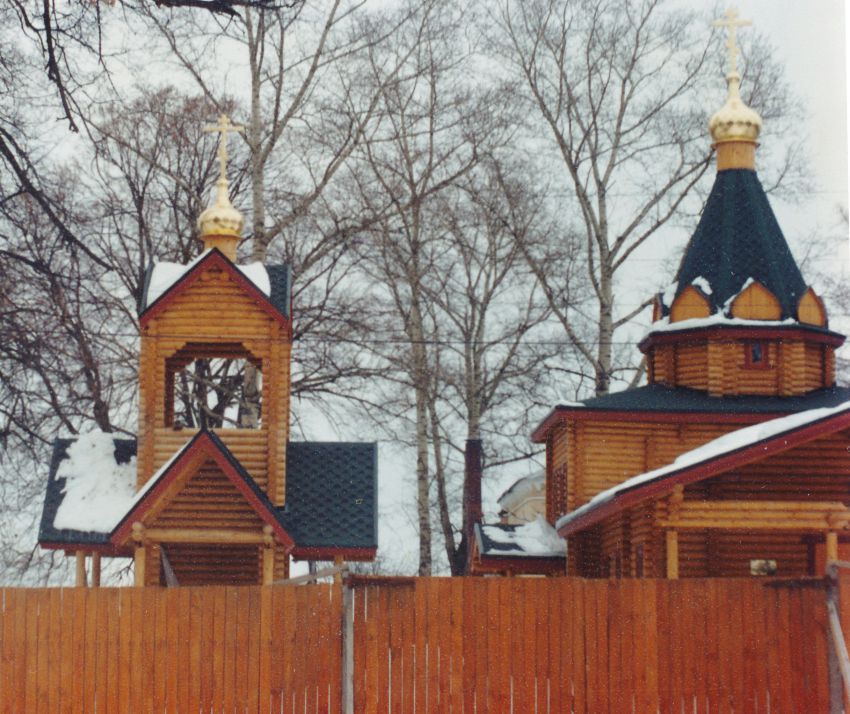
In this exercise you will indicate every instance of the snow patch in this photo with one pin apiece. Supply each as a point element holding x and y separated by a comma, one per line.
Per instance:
<point>727,306</point>
<point>715,320</point>
<point>165,274</point>
<point>718,447</point>
<point>522,488</point>
<point>669,294</point>
<point>537,538</point>
<point>97,490</point>
<point>702,284</point>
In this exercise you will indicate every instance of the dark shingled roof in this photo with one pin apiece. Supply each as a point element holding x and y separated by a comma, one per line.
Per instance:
<point>125,449</point>
<point>660,398</point>
<point>280,280</point>
<point>331,494</point>
<point>738,238</point>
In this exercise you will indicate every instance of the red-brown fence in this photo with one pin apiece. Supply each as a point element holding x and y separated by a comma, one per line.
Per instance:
<point>461,645</point>
<point>567,645</point>
<point>129,650</point>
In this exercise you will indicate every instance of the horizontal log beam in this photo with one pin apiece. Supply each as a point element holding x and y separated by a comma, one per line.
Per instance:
<point>203,535</point>
<point>760,515</point>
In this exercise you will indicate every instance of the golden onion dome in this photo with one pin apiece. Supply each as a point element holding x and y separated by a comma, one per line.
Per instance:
<point>734,121</point>
<point>221,218</point>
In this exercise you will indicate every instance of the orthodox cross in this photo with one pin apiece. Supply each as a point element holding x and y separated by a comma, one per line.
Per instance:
<point>224,125</point>
<point>732,22</point>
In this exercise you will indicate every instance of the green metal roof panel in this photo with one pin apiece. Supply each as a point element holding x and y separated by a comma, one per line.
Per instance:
<point>331,494</point>
<point>739,238</point>
<point>660,398</point>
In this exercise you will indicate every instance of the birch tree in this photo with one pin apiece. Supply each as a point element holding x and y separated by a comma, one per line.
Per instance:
<point>619,90</point>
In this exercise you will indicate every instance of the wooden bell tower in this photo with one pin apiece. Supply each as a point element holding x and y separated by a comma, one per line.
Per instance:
<point>201,527</point>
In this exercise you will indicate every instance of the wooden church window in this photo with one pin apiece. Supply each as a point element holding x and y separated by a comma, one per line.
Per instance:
<point>756,355</point>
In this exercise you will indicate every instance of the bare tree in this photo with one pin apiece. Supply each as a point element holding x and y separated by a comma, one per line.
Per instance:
<point>619,89</point>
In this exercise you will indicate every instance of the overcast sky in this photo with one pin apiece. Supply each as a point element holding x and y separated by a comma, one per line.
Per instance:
<point>810,38</point>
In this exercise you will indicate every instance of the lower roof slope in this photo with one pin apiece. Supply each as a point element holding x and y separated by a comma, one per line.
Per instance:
<point>331,497</point>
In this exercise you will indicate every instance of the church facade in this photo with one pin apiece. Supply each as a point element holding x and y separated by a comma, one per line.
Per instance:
<point>734,459</point>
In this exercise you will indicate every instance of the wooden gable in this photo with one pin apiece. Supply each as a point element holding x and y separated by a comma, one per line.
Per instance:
<point>756,302</point>
<point>691,304</point>
<point>215,293</point>
<point>203,496</point>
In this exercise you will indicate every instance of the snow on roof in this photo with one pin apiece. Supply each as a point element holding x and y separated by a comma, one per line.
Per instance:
<point>522,488</point>
<point>97,489</point>
<point>151,482</point>
<point>537,538</point>
<point>716,320</point>
<point>165,274</point>
<point>718,447</point>
<point>702,283</point>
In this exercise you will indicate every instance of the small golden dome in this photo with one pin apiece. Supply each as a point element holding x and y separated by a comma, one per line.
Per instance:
<point>734,121</point>
<point>221,218</point>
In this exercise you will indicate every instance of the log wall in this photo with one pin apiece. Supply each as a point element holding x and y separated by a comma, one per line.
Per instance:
<point>815,472</point>
<point>722,368</point>
<point>215,317</point>
<point>438,645</point>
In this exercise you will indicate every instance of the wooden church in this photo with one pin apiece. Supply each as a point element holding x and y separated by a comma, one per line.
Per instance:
<point>734,459</point>
<point>222,499</point>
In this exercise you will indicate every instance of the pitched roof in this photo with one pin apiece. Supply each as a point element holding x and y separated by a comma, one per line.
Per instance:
<point>331,495</point>
<point>124,451</point>
<point>739,447</point>
<point>738,238</point>
<point>661,399</point>
<point>526,540</point>
<point>208,443</point>
<point>276,296</point>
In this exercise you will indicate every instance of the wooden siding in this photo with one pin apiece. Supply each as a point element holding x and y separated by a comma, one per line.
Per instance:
<point>721,368</point>
<point>608,453</point>
<point>247,445</point>
<point>691,362</point>
<point>208,500</point>
<point>537,646</point>
<point>810,309</point>
<point>214,316</point>
<point>756,302</point>
<point>691,304</point>
<point>813,475</point>
<point>216,564</point>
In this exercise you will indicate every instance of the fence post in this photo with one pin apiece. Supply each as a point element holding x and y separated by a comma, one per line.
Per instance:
<point>347,648</point>
<point>839,662</point>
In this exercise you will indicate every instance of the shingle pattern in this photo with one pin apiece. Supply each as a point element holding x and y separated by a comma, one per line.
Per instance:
<point>738,238</point>
<point>331,494</point>
<point>660,398</point>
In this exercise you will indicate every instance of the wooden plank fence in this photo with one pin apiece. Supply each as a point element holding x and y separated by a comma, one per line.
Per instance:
<point>567,645</point>
<point>445,645</point>
<point>126,650</point>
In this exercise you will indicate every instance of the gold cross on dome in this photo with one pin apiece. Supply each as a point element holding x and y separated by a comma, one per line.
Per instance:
<point>224,125</point>
<point>732,22</point>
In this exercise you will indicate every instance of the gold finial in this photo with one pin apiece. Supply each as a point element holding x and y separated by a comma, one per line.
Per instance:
<point>734,127</point>
<point>220,225</point>
<point>732,22</point>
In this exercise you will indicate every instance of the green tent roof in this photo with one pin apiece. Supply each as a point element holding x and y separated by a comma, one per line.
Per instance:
<point>739,238</point>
